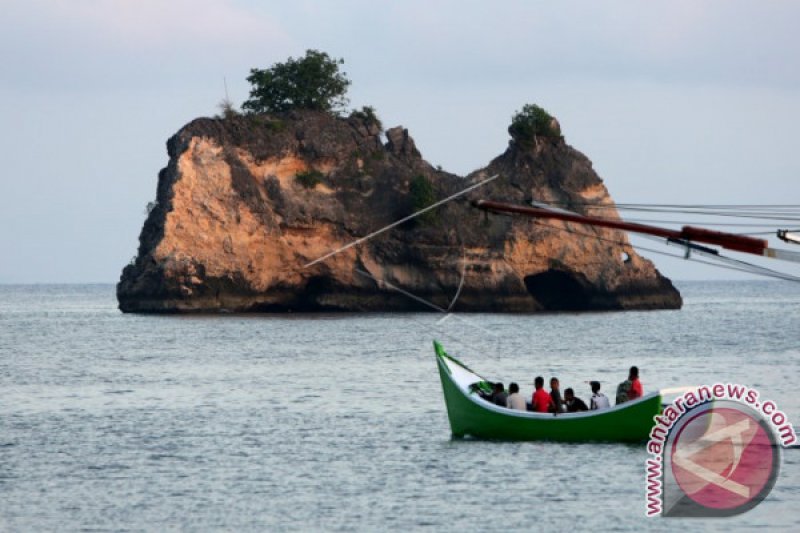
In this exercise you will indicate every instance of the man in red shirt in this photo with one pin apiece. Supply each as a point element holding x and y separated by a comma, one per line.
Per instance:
<point>636,386</point>
<point>540,401</point>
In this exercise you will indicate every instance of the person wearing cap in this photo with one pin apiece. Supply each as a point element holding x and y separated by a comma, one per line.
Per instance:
<point>599,400</point>
<point>540,401</point>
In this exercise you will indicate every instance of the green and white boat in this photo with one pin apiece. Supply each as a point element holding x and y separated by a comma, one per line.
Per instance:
<point>471,415</point>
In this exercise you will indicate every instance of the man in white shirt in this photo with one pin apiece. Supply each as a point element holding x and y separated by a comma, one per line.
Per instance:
<point>599,400</point>
<point>515,399</point>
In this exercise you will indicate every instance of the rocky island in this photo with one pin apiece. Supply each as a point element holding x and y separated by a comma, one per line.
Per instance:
<point>246,201</point>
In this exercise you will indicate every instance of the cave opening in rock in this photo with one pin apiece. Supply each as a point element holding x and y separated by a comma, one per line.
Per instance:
<point>316,288</point>
<point>556,290</point>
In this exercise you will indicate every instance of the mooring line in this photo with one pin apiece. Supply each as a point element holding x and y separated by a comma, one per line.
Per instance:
<point>398,222</point>
<point>427,303</point>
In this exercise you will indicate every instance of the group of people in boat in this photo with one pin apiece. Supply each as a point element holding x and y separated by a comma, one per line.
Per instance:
<point>543,401</point>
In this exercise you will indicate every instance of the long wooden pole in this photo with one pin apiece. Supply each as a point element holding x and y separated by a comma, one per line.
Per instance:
<point>739,243</point>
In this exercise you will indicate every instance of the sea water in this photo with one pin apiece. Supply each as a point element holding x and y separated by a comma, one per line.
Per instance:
<point>337,422</point>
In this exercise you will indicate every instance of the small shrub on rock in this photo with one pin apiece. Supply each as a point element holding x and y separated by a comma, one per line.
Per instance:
<point>227,109</point>
<point>422,195</point>
<point>532,121</point>
<point>309,179</point>
<point>368,115</point>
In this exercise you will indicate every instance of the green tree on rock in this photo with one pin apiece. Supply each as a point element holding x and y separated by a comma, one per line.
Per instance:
<point>311,82</point>
<point>533,121</point>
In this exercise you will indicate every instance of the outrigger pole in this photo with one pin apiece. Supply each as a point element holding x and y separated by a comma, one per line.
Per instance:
<point>685,236</point>
<point>792,237</point>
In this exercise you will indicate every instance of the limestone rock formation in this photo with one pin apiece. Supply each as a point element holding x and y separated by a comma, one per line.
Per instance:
<point>245,202</point>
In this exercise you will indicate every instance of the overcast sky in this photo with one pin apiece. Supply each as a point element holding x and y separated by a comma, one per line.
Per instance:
<point>674,102</point>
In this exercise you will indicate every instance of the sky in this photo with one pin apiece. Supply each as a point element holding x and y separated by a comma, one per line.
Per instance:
<point>674,101</point>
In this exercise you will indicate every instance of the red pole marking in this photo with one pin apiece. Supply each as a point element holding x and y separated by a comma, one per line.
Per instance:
<point>740,243</point>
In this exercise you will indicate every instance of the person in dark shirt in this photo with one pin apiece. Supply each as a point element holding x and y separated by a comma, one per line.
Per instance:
<point>478,388</point>
<point>499,395</point>
<point>572,403</point>
<point>556,403</point>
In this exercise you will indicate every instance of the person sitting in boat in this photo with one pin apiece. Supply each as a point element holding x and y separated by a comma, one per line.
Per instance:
<point>622,392</point>
<point>631,388</point>
<point>556,403</point>
<point>485,390</point>
<point>515,399</point>
<point>636,386</point>
<point>572,403</point>
<point>540,401</point>
<point>499,395</point>
<point>599,400</point>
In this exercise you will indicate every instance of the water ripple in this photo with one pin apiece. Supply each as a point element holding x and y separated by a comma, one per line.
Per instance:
<point>331,422</point>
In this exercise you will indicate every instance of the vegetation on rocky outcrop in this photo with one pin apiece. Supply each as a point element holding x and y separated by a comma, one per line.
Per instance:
<point>422,196</point>
<point>312,82</point>
<point>368,115</point>
<point>533,121</point>
<point>309,178</point>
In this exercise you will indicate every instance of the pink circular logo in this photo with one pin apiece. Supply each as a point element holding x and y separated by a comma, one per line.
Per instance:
<point>724,459</point>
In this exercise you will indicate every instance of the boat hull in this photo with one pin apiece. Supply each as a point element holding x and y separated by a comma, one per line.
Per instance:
<point>472,416</point>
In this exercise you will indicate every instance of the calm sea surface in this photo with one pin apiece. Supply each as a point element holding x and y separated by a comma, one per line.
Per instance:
<point>337,422</point>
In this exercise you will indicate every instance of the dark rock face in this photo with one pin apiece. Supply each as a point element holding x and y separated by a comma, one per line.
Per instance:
<point>400,143</point>
<point>245,204</point>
